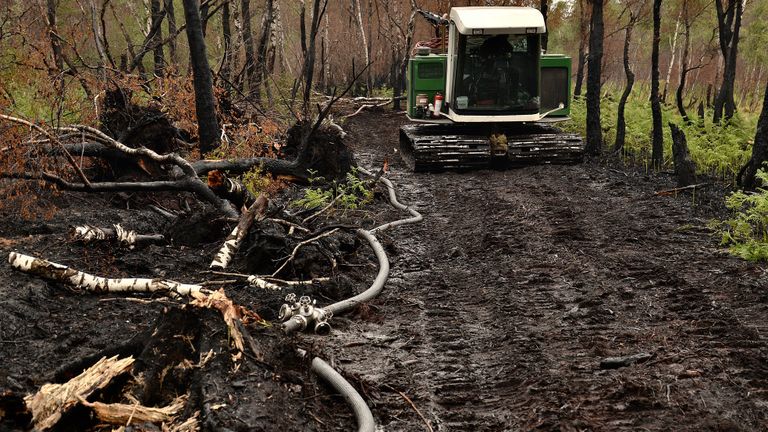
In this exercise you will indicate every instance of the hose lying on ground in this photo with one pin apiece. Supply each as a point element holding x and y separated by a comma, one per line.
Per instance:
<point>363,414</point>
<point>365,422</point>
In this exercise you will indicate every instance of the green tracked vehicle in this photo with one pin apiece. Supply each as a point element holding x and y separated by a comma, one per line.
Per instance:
<point>492,98</point>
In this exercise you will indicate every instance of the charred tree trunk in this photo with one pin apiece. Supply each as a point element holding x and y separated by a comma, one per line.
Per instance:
<point>52,33</point>
<point>205,103</point>
<point>157,40</point>
<point>759,148</point>
<point>59,58</point>
<point>621,124</point>
<point>318,9</point>
<point>685,169</point>
<point>594,130</point>
<point>250,50</point>
<point>205,9</point>
<point>582,49</point>
<point>729,25</point>
<point>544,7</point>
<point>264,39</point>
<point>684,69</point>
<point>171,17</point>
<point>657,151</point>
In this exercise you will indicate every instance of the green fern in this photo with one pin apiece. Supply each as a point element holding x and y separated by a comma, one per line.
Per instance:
<point>350,194</point>
<point>746,234</point>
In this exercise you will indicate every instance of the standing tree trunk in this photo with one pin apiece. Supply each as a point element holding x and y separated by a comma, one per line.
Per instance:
<point>309,60</point>
<point>264,39</point>
<point>158,57</point>
<point>594,130</point>
<point>52,33</point>
<point>400,88</point>
<point>366,51</point>
<point>657,152</point>
<point>326,57</point>
<point>621,124</point>
<point>759,148</point>
<point>170,15</point>
<point>205,103</point>
<point>226,31</point>
<point>672,54</point>
<point>582,49</point>
<point>250,50</point>
<point>728,25</point>
<point>684,67</point>
<point>544,7</point>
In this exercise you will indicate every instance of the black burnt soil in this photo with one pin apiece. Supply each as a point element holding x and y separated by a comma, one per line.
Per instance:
<point>499,310</point>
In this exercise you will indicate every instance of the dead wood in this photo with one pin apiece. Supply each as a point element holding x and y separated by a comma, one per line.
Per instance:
<point>619,362</point>
<point>53,400</point>
<point>233,241</point>
<point>55,141</point>
<point>685,168</point>
<point>673,191</point>
<point>125,414</point>
<point>233,315</point>
<point>367,106</point>
<point>61,273</point>
<point>124,237</point>
<point>300,245</point>
<point>231,190</point>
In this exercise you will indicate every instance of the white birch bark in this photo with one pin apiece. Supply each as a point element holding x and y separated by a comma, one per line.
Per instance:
<point>61,273</point>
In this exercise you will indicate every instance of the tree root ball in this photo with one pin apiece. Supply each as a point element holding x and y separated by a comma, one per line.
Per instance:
<point>325,153</point>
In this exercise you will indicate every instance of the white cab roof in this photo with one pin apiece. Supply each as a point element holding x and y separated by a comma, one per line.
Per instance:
<point>497,20</point>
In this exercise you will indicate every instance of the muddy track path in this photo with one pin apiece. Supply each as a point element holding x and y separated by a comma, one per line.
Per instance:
<point>503,303</point>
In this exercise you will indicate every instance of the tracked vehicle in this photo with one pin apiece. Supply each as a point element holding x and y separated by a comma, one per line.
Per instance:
<point>486,95</point>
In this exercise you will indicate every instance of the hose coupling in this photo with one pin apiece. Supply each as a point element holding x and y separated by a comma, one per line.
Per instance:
<point>305,314</point>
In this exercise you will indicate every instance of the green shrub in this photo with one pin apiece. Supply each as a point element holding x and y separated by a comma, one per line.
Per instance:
<point>746,233</point>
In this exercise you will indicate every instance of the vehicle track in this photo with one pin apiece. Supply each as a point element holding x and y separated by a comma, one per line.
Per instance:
<point>520,282</point>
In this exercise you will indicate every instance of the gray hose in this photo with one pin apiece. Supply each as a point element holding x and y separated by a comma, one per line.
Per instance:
<point>296,324</point>
<point>363,414</point>
<point>416,216</point>
<point>365,422</point>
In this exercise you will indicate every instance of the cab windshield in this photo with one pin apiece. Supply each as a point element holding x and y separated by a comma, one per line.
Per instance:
<point>497,73</point>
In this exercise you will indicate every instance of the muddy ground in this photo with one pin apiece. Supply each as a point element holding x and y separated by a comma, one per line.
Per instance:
<point>499,310</point>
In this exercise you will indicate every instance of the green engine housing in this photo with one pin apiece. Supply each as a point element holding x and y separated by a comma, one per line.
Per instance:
<point>427,74</point>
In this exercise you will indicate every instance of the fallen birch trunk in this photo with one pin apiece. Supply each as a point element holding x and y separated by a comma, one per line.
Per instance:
<point>53,400</point>
<point>233,241</point>
<point>126,238</point>
<point>61,273</point>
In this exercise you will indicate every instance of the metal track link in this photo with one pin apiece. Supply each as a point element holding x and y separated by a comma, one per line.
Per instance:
<point>560,148</point>
<point>457,147</point>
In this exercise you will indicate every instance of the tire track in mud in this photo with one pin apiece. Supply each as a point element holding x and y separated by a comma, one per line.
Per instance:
<point>524,280</point>
<point>476,328</point>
